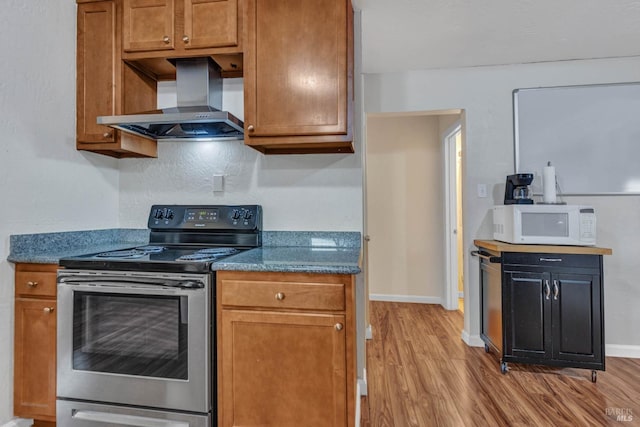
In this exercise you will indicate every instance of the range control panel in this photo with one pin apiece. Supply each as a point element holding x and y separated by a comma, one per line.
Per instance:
<point>205,217</point>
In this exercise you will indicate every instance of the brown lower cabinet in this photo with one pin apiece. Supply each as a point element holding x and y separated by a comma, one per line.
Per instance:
<point>286,349</point>
<point>34,381</point>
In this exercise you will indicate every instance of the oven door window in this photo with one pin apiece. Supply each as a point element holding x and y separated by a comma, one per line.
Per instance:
<point>130,334</point>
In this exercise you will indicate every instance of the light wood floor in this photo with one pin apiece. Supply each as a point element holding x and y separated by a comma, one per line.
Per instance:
<point>421,373</point>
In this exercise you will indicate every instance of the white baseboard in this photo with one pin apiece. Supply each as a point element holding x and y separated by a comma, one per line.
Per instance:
<point>472,340</point>
<point>18,422</point>
<point>617,350</point>
<point>405,298</point>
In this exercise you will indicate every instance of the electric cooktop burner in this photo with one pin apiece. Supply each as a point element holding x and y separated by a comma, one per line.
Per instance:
<point>183,238</point>
<point>132,253</point>
<point>208,254</point>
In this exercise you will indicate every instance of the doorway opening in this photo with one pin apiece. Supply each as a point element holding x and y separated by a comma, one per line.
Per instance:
<point>406,204</point>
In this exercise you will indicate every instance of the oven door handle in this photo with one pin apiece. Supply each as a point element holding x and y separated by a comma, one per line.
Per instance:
<point>132,281</point>
<point>125,420</point>
<point>119,288</point>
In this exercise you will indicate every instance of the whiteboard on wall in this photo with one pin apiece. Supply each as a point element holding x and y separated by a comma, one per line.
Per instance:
<point>591,134</point>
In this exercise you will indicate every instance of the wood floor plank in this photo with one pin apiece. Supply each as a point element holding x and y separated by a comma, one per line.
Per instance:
<point>421,373</point>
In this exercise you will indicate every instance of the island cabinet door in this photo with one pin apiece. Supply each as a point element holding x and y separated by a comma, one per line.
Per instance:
<point>577,317</point>
<point>527,306</point>
<point>282,369</point>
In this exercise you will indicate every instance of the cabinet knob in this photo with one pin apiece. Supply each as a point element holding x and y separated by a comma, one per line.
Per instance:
<point>166,39</point>
<point>339,326</point>
<point>250,128</point>
<point>48,309</point>
<point>32,284</point>
<point>107,134</point>
<point>280,296</point>
<point>185,38</point>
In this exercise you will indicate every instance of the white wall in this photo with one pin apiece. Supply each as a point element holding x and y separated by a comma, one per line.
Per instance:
<point>45,184</point>
<point>405,208</point>
<point>485,95</point>
<point>296,192</point>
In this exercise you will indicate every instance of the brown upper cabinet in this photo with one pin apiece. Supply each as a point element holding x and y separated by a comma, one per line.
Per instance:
<point>179,25</point>
<point>106,86</point>
<point>155,30</point>
<point>298,76</point>
<point>296,58</point>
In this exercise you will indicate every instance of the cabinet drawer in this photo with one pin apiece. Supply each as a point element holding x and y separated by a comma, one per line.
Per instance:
<point>35,283</point>
<point>296,295</point>
<point>551,260</point>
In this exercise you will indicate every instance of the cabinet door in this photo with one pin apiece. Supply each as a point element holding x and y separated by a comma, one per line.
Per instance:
<point>102,81</point>
<point>528,307</point>
<point>491,294</point>
<point>210,23</point>
<point>282,369</point>
<point>148,25</point>
<point>96,75</point>
<point>298,72</point>
<point>35,359</point>
<point>577,318</point>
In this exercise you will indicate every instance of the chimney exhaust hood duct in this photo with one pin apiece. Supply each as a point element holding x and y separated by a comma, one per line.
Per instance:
<point>198,115</point>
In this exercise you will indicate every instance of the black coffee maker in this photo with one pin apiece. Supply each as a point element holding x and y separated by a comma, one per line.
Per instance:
<point>516,191</point>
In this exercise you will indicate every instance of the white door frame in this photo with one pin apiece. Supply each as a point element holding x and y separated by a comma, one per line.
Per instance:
<point>450,237</point>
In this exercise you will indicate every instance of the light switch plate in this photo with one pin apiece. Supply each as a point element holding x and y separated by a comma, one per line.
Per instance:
<point>482,190</point>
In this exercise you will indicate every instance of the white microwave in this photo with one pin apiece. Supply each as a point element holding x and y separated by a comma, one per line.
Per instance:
<point>545,224</point>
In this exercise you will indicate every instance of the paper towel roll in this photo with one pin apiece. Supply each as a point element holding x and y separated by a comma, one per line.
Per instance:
<point>549,184</point>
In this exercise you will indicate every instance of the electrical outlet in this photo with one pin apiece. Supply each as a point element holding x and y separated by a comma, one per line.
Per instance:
<point>218,183</point>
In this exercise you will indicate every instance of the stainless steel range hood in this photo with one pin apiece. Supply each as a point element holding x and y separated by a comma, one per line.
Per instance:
<point>198,115</point>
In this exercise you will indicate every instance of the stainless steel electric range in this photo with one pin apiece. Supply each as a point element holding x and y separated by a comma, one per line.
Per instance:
<point>136,327</point>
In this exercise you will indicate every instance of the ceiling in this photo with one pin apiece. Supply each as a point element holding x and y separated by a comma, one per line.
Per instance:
<point>402,35</point>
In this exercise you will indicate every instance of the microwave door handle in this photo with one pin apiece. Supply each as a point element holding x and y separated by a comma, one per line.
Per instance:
<point>124,419</point>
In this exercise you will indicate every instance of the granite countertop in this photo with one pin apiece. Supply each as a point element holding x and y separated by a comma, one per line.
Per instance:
<point>48,248</point>
<point>282,251</point>
<point>300,259</point>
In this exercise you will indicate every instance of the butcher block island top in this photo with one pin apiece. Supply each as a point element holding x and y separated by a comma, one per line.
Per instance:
<point>496,246</point>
